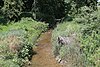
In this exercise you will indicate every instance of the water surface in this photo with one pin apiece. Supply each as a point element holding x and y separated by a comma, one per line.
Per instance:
<point>44,56</point>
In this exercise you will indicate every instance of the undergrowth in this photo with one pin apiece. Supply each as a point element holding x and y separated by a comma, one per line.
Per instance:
<point>84,51</point>
<point>68,52</point>
<point>17,41</point>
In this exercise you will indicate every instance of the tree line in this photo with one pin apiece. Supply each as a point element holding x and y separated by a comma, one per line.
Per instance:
<point>42,10</point>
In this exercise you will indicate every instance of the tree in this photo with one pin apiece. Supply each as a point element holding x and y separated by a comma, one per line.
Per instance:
<point>53,8</point>
<point>12,9</point>
<point>28,5</point>
<point>1,3</point>
<point>43,10</point>
<point>73,6</point>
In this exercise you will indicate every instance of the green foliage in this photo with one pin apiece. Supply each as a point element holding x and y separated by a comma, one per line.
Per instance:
<point>28,4</point>
<point>90,40</point>
<point>8,63</point>
<point>12,9</point>
<point>1,4</point>
<point>90,46</point>
<point>68,52</point>
<point>73,7</point>
<point>86,26</point>
<point>87,16</point>
<point>53,8</point>
<point>18,39</point>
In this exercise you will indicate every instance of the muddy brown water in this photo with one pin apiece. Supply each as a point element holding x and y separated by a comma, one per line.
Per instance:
<point>44,56</point>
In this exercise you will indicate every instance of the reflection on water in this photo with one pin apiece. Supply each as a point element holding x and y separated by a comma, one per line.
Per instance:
<point>44,56</point>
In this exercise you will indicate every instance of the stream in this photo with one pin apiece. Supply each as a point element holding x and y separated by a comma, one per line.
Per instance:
<point>44,56</point>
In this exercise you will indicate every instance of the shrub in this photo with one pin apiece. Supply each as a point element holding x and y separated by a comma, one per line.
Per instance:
<point>12,9</point>
<point>68,52</point>
<point>84,50</point>
<point>8,63</point>
<point>18,39</point>
<point>90,46</point>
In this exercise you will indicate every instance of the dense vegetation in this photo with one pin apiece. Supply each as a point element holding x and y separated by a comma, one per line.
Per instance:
<point>17,41</point>
<point>78,25</point>
<point>78,41</point>
<point>44,10</point>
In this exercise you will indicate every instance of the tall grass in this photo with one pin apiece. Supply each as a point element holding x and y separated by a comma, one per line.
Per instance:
<point>17,41</point>
<point>84,51</point>
<point>68,52</point>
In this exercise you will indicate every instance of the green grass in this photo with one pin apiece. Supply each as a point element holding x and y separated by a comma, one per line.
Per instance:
<point>84,51</point>
<point>23,35</point>
<point>68,52</point>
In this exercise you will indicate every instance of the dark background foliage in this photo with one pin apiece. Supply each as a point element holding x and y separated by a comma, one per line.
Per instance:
<point>50,11</point>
